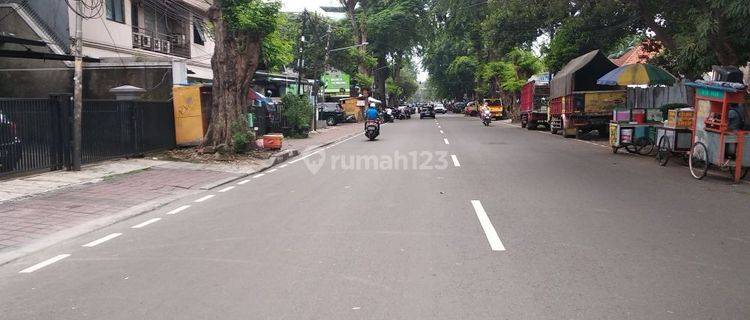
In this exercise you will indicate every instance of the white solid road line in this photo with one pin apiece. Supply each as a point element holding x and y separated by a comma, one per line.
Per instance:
<point>258,175</point>
<point>226,189</point>
<point>178,210</point>
<point>283,165</point>
<point>446,141</point>
<point>145,223</point>
<point>205,198</point>
<point>489,230</point>
<point>272,170</point>
<point>243,182</point>
<point>455,160</point>
<point>102,240</point>
<point>44,263</point>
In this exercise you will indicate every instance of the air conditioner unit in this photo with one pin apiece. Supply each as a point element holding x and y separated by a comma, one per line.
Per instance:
<point>157,44</point>
<point>166,46</point>
<point>146,42</point>
<point>137,40</point>
<point>179,39</point>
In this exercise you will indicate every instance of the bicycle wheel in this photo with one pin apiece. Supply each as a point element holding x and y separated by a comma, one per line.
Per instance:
<point>698,160</point>
<point>663,151</point>
<point>647,147</point>
<point>633,147</point>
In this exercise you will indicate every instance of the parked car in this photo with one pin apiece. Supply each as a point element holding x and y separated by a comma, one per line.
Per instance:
<point>331,112</point>
<point>10,144</point>
<point>426,112</point>
<point>440,108</point>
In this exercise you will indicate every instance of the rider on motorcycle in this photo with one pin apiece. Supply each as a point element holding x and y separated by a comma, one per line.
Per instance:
<point>485,112</point>
<point>371,113</point>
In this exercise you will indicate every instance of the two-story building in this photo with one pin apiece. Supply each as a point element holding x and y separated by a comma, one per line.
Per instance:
<point>147,43</point>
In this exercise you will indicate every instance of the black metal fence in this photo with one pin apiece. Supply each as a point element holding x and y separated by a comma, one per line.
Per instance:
<point>30,135</point>
<point>35,134</point>
<point>270,119</point>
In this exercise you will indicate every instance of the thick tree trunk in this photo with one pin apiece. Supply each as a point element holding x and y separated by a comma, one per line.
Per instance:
<point>381,74</point>
<point>721,43</point>
<point>234,62</point>
<point>393,99</point>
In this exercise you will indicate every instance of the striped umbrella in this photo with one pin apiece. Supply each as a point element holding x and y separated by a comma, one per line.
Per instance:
<point>637,74</point>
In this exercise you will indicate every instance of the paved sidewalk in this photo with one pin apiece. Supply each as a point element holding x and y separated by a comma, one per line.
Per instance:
<point>31,219</point>
<point>323,136</point>
<point>40,210</point>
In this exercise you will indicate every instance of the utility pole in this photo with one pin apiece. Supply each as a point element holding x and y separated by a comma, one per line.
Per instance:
<point>325,68</point>
<point>78,88</point>
<point>301,61</point>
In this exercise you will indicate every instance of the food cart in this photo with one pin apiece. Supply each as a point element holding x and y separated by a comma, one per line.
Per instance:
<point>714,143</point>
<point>676,137</point>
<point>634,137</point>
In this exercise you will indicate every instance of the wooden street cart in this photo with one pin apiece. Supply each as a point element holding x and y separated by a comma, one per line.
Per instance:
<point>673,142</point>
<point>634,137</point>
<point>675,139</point>
<point>714,143</point>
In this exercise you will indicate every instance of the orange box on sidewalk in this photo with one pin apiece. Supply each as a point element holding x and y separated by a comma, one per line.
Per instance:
<point>272,141</point>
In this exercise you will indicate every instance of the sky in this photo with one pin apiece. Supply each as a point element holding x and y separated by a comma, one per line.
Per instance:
<point>314,5</point>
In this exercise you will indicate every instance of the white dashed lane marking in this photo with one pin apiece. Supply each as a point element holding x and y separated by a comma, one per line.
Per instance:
<point>455,161</point>
<point>178,210</point>
<point>446,141</point>
<point>204,198</point>
<point>489,230</point>
<point>44,263</point>
<point>102,240</point>
<point>145,223</point>
<point>226,189</point>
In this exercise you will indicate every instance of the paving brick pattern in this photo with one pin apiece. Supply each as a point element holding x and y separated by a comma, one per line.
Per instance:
<point>26,220</point>
<point>323,136</point>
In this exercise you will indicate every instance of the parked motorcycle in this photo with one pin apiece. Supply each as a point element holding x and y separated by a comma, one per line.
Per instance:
<point>398,114</point>
<point>372,129</point>
<point>388,115</point>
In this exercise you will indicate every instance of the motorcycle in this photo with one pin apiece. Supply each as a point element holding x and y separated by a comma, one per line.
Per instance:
<point>486,118</point>
<point>398,114</point>
<point>372,129</point>
<point>388,115</point>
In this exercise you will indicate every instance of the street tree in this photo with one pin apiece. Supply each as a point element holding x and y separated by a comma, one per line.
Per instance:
<point>240,28</point>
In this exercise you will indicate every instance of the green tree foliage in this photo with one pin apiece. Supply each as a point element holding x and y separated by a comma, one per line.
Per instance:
<point>460,74</point>
<point>297,110</point>
<point>277,50</point>
<point>699,33</point>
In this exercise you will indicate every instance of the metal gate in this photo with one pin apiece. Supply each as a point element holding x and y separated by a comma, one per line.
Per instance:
<point>35,134</point>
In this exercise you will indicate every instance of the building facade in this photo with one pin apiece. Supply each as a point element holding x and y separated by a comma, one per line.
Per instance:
<point>151,44</point>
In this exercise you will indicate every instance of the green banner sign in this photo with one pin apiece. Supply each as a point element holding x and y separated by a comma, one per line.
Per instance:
<point>336,83</point>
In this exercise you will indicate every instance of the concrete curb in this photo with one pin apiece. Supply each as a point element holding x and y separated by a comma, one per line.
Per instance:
<point>285,155</point>
<point>276,159</point>
<point>87,227</point>
<point>214,184</point>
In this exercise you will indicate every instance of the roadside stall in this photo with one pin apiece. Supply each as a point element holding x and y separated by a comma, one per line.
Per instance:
<point>715,141</point>
<point>675,138</point>
<point>636,129</point>
<point>355,106</point>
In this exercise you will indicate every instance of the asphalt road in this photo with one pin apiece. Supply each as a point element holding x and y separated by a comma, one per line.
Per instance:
<point>520,225</point>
